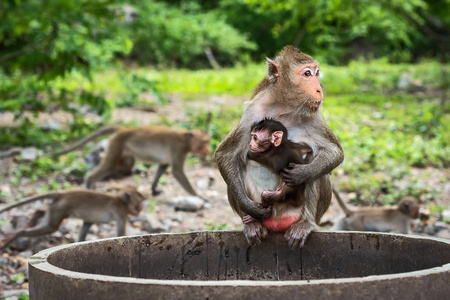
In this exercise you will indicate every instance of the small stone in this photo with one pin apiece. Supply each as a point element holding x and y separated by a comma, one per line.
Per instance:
<point>130,230</point>
<point>22,243</point>
<point>446,214</point>
<point>429,229</point>
<point>4,261</point>
<point>14,294</point>
<point>6,189</point>
<point>176,218</point>
<point>6,228</point>
<point>211,194</point>
<point>57,234</point>
<point>404,82</point>
<point>188,203</point>
<point>202,184</point>
<point>52,124</point>
<point>438,225</point>
<point>153,224</point>
<point>443,234</point>
<point>26,254</point>
<point>30,153</point>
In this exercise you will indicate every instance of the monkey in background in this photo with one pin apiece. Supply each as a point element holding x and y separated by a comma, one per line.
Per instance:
<point>292,94</point>
<point>382,219</point>
<point>90,206</point>
<point>158,144</point>
<point>270,147</point>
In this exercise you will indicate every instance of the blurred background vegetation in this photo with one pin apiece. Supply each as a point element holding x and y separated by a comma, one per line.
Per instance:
<point>384,64</point>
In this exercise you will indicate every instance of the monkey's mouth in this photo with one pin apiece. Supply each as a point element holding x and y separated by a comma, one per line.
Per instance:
<point>314,103</point>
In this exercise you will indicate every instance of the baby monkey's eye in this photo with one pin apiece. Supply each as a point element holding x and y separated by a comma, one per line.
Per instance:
<point>308,73</point>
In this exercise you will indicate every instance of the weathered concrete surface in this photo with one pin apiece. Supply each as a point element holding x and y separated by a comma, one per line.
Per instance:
<point>220,265</point>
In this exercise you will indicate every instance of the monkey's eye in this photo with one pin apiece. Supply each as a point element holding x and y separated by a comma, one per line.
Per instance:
<point>317,73</point>
<point>307,73</point>
<point>254,137</point>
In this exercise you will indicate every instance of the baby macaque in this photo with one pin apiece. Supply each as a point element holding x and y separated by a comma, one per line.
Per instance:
<point>90,206</point>
<point>382,219</point>
<point>270,147</point>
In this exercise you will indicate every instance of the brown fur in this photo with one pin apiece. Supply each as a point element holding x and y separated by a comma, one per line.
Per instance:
<point>159,144</point>
<point>286,95</point>
<point>90,206</point>
<point>278,158</point>
<point>384,219</point>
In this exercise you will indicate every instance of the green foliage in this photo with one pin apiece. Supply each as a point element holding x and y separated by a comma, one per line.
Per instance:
<point>18,278</point>
<point>238,81</point>
<point>378,76</point>
<point>42,166</point>
<point>152,204</point>
<point>23,296</point>
<point>336,31</point>
<point>39,48</point>
<point>28,133</point>
<point>359,78</point>
<point>136,85</point>
<point>437,209</point>
<point>222,121</point>
<point>40,45</point>
<point>177,35</point>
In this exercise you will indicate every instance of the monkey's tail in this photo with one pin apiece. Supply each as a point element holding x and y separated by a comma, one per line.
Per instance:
<point>347,211</point>
<point>96,134</point>
<point>51,195</point>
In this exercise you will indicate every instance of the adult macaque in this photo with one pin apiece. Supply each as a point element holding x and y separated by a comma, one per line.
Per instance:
<point>383,219</point>
<point>158,144</point>
<point>90,206</point>
<point>124,165</point>
<point>270,147</point>
<point>290,93</point>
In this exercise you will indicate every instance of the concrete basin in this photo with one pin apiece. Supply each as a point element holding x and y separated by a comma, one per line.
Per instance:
<point>220,265</point>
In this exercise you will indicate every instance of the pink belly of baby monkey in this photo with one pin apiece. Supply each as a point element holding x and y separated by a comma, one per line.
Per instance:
<point>281,224</point>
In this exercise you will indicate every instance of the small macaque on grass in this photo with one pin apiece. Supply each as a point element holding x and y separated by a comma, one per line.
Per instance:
<point>381,219</point>
<point>90,206</point>
<point>270,147</point>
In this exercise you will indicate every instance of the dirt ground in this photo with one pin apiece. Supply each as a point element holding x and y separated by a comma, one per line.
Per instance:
<point>205,178</point>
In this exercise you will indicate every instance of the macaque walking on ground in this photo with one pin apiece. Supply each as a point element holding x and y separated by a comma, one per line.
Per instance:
<point>154,144</point>
<point>90,206</point>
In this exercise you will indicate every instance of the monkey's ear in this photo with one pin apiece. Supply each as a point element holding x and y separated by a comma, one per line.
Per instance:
<point>277,136</point>
<point>273,69</point>
<point>189,135</point>
<point>126,197</point>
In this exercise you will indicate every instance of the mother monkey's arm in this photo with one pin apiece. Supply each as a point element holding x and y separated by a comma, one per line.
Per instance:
<point>231,160</point>
<point>329,155</point>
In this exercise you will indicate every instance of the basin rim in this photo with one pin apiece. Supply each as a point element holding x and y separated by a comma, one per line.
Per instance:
<point>40,261</point>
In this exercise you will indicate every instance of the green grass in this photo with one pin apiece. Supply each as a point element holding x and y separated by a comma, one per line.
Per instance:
<point>374,77</point>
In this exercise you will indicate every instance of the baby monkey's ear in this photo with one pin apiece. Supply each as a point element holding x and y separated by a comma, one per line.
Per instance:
<point>277,136</point>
